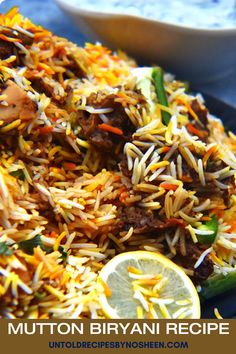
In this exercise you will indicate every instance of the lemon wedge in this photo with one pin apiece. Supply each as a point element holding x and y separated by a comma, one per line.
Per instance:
<point>143,284</point>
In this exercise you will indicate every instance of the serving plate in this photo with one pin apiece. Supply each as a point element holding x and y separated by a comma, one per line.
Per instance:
<point>222,110</point>
<point>194,54</point>
<point>225,303</point>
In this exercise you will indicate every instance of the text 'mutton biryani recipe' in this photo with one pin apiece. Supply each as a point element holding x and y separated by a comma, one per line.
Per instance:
<point>117,185</point>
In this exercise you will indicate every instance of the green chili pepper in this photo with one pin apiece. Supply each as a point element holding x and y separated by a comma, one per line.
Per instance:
<point>158,78</point>
<point>211,225</point>
<point>217,285</point>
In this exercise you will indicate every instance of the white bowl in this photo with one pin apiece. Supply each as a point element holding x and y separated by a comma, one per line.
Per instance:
<point>198,55</point>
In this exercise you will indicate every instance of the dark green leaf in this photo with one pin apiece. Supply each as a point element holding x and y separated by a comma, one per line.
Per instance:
<point>46,249</point>
<point>5,250</point>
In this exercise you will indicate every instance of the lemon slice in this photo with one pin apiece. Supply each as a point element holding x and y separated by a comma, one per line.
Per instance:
<point>144,284</point>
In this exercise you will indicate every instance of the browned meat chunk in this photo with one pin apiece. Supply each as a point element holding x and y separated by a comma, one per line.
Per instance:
<point>124,168</point>
<point>40,86</point>
<point>142,220</point>
<point>145,221</point>
<point>9,48</point>
<point>204,270</point>
<point>100,139</point>
<point>201,112</point>
<point>105,140</point>
<point>230,182</point>
<point>75,67</point>
<point>202,191</point>
<point>46,86</point>
<point>193,253</point>
<point>19,105</point>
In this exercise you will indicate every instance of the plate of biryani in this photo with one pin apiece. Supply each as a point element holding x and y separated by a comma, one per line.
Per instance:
<point>117,185</point>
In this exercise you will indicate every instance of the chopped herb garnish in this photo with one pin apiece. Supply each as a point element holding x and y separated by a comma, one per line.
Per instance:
<point>29,245</point>
<point>39,295</point>
<point>18,174</point>
<point>64,254</point>
<point>5,250</point>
